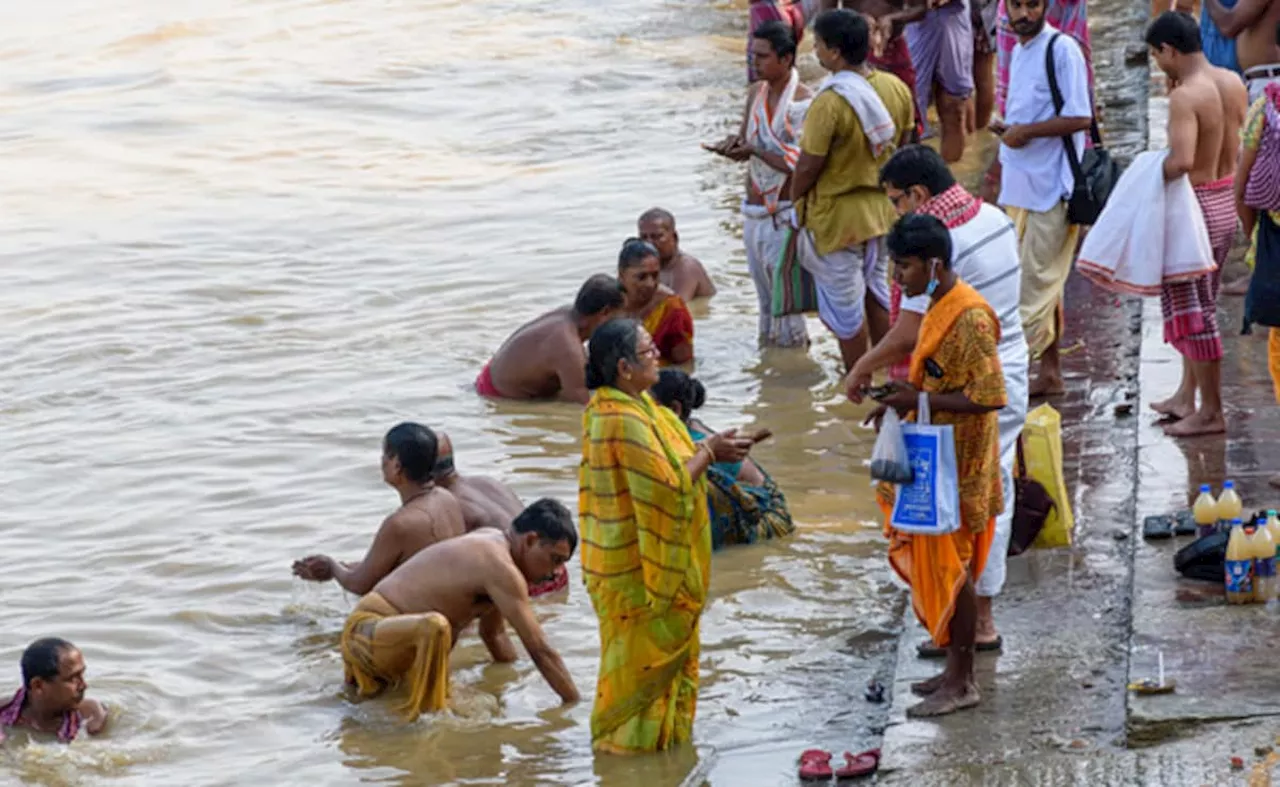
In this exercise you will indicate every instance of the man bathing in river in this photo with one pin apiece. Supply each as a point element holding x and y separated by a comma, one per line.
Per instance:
<point>544,358</point>
<point>683,273</point>
<point>52,699</point>
<point>405,628</point>
<point>486,502</point>
<point>427,514</point>
<point>1206,111</point>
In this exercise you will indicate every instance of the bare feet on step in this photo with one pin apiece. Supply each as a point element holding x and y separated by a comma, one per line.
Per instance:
<point>1176,407</point>
<point>1046,386</point>
<point>1197,424</point>
<point>948,698</point>
<point>926,687</point>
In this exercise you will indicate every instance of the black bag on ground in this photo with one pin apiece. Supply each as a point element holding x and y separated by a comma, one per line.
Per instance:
<point>1096,172</point>
<point>1031,506</point>
<point>1203,559</point>
<point>1262,303</point>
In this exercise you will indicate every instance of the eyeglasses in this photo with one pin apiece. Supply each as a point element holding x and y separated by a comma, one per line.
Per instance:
<point>647,352</point>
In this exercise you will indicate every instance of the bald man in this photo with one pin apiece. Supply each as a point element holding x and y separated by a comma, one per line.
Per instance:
<point>486,502</point>
<point>681,272</point>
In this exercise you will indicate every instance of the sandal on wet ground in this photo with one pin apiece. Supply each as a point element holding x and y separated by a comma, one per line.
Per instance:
<point>858,765</point>
<point>928,650</point>
<point>815,765</point>
<point>1157,527</point>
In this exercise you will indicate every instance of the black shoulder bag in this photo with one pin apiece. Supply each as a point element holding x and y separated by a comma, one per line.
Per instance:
<point>1096,174</point>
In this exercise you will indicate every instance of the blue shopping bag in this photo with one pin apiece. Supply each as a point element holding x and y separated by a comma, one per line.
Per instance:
<point>930,504</point>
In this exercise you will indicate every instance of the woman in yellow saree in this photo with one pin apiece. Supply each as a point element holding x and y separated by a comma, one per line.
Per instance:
<point>646,544</point>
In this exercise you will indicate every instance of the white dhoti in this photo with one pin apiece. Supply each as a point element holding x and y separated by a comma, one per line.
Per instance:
<point>1012,419</point>
<point>1257,78</point>
<point>843,279</point>
<point>764,234</point>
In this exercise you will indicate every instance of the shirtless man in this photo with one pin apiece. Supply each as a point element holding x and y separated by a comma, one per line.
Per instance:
<point>1206,109</point>
<point>544,358</point>
<point>427,514</point>
<point>681,272</point>
<point>405,628</point>
<point>52,699</point>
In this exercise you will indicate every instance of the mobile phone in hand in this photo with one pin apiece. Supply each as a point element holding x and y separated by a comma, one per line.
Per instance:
<point>761,436</point>
<point>879,392</point>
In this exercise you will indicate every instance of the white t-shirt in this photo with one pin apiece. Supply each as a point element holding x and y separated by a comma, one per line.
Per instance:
<point>1037,176</point>
<point>984,253</point>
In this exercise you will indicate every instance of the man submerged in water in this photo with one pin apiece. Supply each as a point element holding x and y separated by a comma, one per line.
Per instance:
<point>52,699</point>
<point>682,272</point>
<point>403,631</point>
<point>486,502</point>
<point>427,514</point>
<point>544,358</point>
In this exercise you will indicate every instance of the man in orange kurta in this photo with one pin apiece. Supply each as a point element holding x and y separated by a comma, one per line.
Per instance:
<point>956,364</point>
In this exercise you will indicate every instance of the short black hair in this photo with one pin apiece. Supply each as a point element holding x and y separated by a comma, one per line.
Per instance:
<point>415,446</point>
<point>781,37</point>
<point>600,293</point>
<point>612,342</point>
<point>40,659</point>
<point>550,520</point>
<point>675,386</point>
<point>918,235</point>
<point>658,214</point>
<point>634,251</point>
<point>917,165</point>
<point>846,32</point>
<point>1176,29</point>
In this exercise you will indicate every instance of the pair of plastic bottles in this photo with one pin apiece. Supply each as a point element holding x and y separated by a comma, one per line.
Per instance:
<point>1250,570</point>
<point>1214,515</point>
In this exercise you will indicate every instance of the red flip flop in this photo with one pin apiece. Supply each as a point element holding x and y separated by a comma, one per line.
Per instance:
<point>815,765</point>
<point>857,766</point>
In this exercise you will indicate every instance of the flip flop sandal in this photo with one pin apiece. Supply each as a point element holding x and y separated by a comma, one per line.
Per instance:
<point>857,766</point>
<point>1184,523</point>
<point>1157,527</point>
<point>928,650</point>
<point>815,765</point>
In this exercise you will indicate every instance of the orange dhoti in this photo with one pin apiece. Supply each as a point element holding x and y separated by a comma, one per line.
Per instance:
<point>936,568</point>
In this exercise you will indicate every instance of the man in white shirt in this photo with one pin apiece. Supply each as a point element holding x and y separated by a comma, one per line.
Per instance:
<point>985,255</point>
<point>1036,178</point>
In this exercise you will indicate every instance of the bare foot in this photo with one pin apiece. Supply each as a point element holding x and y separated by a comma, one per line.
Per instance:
<point>1274,481</point>
<point>947,699</point>
<point>1238,287</point>
<point>1046,386</point>
<point>1175,407</point>
<point>926,687</point>
<point>1197,424</point>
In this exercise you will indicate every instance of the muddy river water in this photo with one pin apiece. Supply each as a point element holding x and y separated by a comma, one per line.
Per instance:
<point>242,238</point>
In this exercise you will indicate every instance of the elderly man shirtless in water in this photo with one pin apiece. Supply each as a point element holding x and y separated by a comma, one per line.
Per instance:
<point>403,631</point>
<point>427,514</point>
<point>544,358</point>
<point>1206,109</point>
<point>486,502</point>
<point>683,273</point>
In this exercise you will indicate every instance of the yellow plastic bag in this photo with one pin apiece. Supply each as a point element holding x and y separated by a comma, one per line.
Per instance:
<point>1042,450</point>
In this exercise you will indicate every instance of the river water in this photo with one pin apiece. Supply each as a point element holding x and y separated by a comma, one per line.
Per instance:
<point>241,239</point>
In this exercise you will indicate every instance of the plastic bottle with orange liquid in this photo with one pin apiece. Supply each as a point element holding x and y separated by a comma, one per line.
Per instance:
<point>1238,571</point>
<point>1230,506</point>
<point>1205,512</point>
<point>1264,562</point>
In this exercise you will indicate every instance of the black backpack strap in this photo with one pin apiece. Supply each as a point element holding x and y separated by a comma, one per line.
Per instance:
<point>1072,158</point>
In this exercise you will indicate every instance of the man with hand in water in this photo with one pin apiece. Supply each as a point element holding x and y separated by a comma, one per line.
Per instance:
<point>683,273</point>
<point>486,502</point>
<point>405,628</point>
<point>544,358</point>
<point>52,699</point>
<point>427,514</point>
<point>1206,111</point>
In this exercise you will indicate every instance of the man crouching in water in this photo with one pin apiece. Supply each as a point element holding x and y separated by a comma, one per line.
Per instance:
<point>427,514</point>
<point>405,628</point>
<point>486,502</point>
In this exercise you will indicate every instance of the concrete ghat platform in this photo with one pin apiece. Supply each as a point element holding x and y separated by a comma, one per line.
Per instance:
<point>1222,656</point>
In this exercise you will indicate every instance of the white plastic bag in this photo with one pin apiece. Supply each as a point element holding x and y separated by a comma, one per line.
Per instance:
<point>930,504</point>
<point>889,459</point>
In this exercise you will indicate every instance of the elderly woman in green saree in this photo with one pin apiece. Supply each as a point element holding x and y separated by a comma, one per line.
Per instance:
<point>745,504</point>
